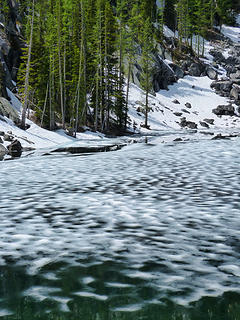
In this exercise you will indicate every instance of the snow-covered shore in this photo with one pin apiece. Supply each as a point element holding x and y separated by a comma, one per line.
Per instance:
<point>190,98</point>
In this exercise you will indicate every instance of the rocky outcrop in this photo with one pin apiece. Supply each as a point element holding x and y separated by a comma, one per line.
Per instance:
<point>223,110</point>
<point>228,86</point>
<point>163,74</point>
<point>15,149</point>
<point>211,73</point>
<point>187,124</point>
<point>10,48</point>
<point>194,68</point>
<point>6,110</point>
<point>222,87</point>
<point>3,150</point>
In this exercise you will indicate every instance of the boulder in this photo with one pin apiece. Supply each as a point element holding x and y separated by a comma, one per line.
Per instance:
<point>3,150</point>
<point>189,124</point>
<point>186,111</point>
<point>8,137</point>
<point>209,121</point>
<point>179,73</point>
<point>176,101</point>
<point>15,148</point>
<point>222,86</point>
<point>204,124</point>
<point>217,55</point>
<point>232,60</point>
<point>224,110</point>
<point>188,105</point>
<point>195,69</point>
<point>235,75</point>
<point>235,92</point>
<point>7,110</point>
<point>178,114</point>
<point>163,75</point>
<point>211,73</point>
<point>219,136</point>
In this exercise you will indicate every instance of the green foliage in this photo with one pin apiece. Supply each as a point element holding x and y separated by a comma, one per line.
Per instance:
<point>84,49</point>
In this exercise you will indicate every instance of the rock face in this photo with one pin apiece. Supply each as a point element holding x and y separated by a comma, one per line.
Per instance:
<point>163,75</point>
<point>10,49</point>
<point>8,111</point>
<point>230,85</point>
<point>223,86</point>
<point>179,73</point>
<point>194,68</point>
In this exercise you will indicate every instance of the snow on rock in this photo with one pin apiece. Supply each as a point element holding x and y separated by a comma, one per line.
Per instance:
<point>167,32</point>
<point>14,101</point>
<point>233,33</point>
<point>238,20</point>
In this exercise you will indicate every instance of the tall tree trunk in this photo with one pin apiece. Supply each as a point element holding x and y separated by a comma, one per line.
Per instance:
<point>77,98</point>
<point>84,44</point>
<point>45,104</point>
<point>127,93</point>
<point>51,89</point>
<point>97,101</point>
<point>146,103</point>
<point>26,84</point>
<point>60,64</point>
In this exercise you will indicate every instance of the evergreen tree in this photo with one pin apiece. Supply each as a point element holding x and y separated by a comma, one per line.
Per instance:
<point>146,60</point>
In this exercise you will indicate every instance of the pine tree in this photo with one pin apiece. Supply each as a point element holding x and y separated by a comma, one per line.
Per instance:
<point>26,82</point>
<point>146,59</point>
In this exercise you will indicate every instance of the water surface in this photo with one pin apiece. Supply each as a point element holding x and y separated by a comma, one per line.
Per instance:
<point>147,232</point>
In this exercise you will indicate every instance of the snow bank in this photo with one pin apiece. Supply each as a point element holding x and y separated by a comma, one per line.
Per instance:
<point>193,90</point>
<point>233,33</point>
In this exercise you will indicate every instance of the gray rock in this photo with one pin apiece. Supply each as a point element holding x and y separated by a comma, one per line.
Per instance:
<point>3,150</point>
<point>223,110</point>
<point>209,121</point>
<point>204,124</point>
<point>222,86</point>
<point>176,101</point>
<point>211,73</point>
<point>195,69</point>
<point>7,110</point>
<point>15,148</point>
<point>219,136</point>
<point>189,124</point>
<point>163,75</point>
<point>217,55</point>
<point>235,75</point>
<point>186,111</point>
<point>188,105</point>
<point>8,137</point>
<point>235,92</point>
<point>178,114</point>
<point>179,73</point>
